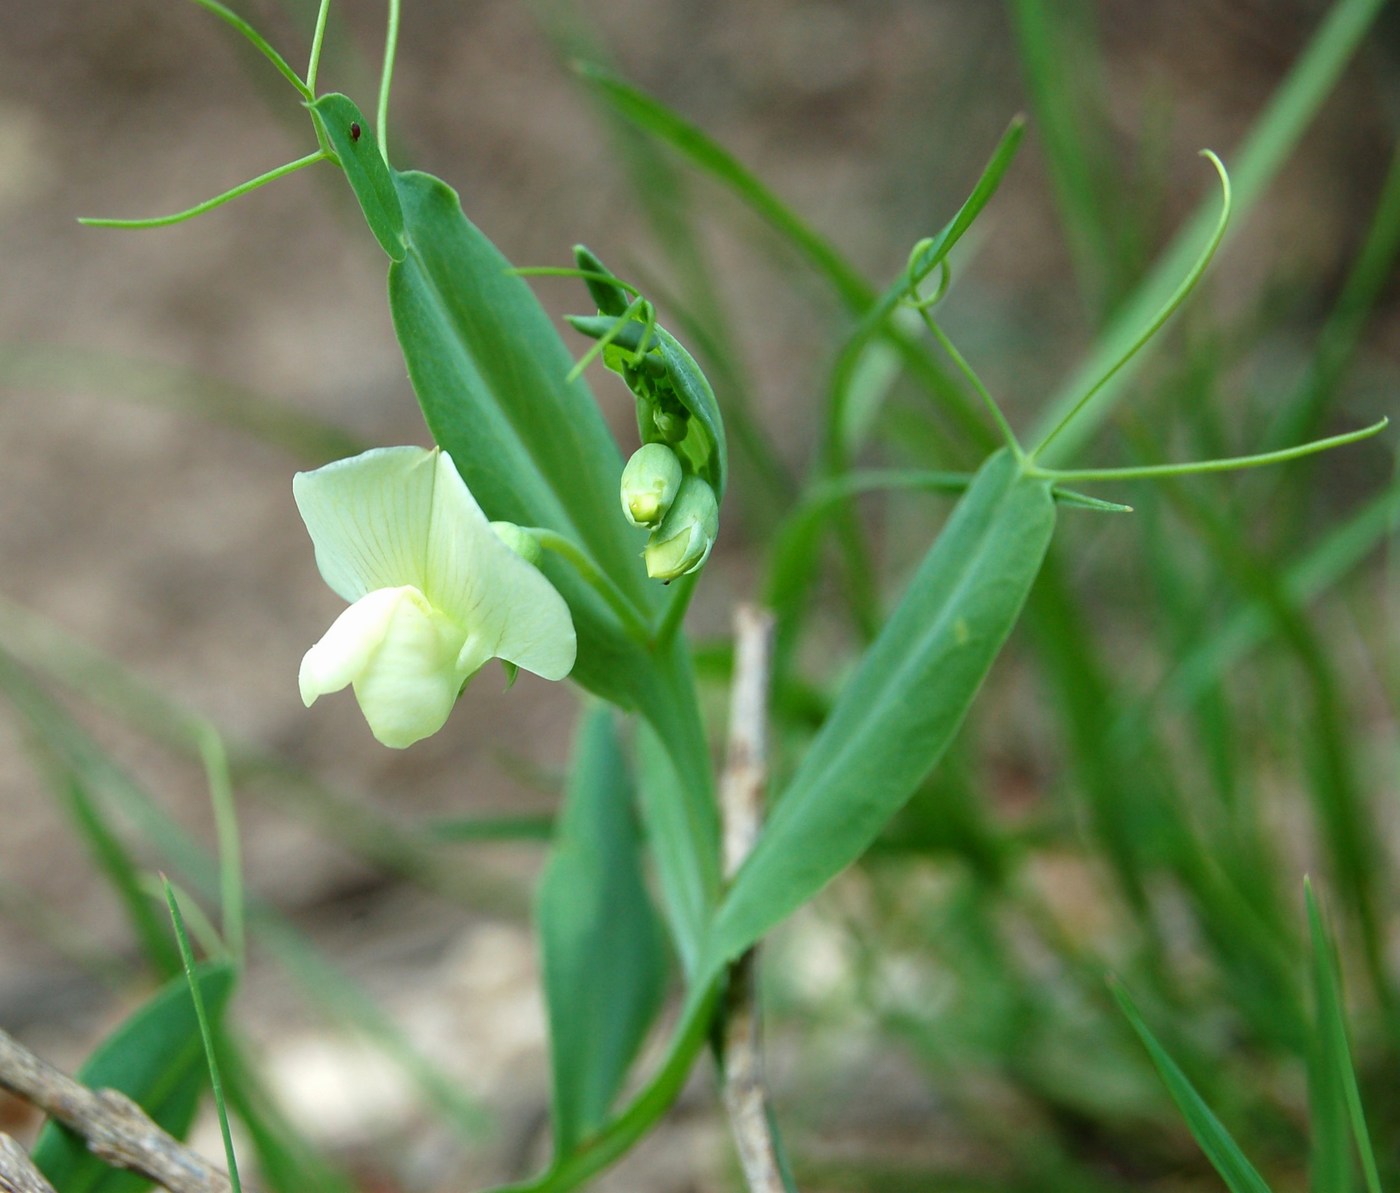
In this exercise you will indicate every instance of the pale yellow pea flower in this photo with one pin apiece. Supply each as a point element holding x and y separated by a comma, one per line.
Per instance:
<point>434,591</point>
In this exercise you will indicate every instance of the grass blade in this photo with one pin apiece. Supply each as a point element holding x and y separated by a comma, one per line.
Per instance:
<point>1064,75</point>
<point>1216,1142</point>
<point>155,1058</point>
<point>124,875</point>
<point>206,1031</point>
<point>645,112</point>
<point>1333,1047</point>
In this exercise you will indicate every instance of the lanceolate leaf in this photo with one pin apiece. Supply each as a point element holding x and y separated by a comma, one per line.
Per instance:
<point>604,954</point>
<point>155,1057</point>
<point>489,370</point>
<point>897,714</point>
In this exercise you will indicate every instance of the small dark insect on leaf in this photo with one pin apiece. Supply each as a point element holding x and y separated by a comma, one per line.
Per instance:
<point>354,130</point>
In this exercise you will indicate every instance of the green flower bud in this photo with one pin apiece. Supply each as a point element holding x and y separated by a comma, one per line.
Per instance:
<point>650,483</point>
<point>519,540</point>
<point>683,540</point>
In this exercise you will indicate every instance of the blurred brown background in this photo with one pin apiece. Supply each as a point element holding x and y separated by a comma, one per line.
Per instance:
<point>170,541</point>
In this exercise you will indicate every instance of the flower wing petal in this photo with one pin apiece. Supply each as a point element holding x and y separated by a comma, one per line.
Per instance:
<point>348,647</point>
<point>369,518</point>
<point>506,605</point>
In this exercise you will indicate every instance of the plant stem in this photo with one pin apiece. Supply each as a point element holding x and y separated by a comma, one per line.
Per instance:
<point>596,579</point>
<point>164,221</point>
<point>1191,468</point>
<point>317,40</point>
<point>386,78</point>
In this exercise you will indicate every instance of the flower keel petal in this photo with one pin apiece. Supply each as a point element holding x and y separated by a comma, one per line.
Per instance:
<point>346,649</point>
<point>411,683</point>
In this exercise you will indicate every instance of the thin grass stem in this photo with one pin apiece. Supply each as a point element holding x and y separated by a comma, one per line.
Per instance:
<point>216,771</point>
<point>205,1032</point>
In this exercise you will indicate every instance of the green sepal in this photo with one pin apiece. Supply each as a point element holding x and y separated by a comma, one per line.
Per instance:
<point>629,335</point>
<point>609,298</point>
<point>704,444</point>
<point>365,169</point>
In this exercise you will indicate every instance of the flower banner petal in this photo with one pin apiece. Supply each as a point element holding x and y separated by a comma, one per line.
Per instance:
<point>369,518</point>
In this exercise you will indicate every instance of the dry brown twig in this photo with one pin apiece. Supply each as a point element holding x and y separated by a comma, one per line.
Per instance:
<point>741,806</point>
<point>117,1130</point>
<point>17,1171</point>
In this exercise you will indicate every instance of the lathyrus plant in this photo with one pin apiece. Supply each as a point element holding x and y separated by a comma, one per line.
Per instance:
<point>436,591</point>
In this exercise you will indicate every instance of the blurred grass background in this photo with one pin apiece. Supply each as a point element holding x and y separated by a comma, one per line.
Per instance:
<point>1199,707</point>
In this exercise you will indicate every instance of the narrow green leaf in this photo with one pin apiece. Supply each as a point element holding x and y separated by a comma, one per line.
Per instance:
<point>897,714</point>
<point>353,140</point>
<point>156,1058</point>
<point>1220,1148</point>
<point>206,1029</point>
<point>122,872</point>
<point>603,949</point>
<point>686,138</point>
<point>937,248</point>
<point>1063,67</point>
<point>1334,1051</point>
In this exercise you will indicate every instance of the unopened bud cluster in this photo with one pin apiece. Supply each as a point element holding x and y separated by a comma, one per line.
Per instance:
<point>672,484</point>
<point>680,510</point>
